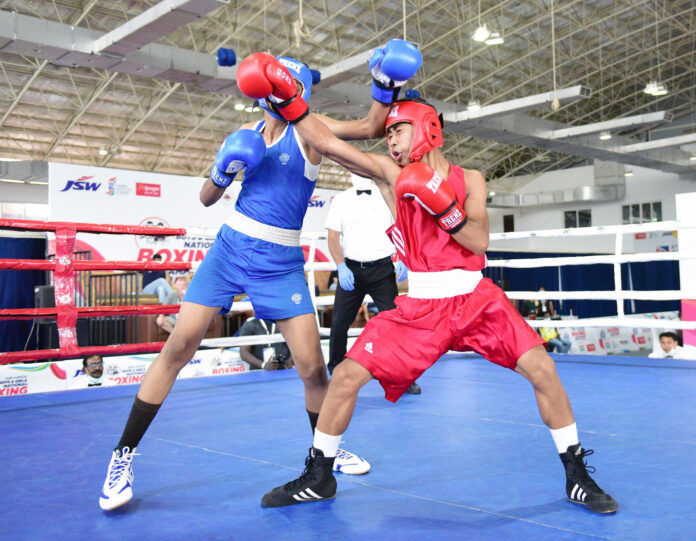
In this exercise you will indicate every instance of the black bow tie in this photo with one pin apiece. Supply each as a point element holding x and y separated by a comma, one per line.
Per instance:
<point>368,192</point>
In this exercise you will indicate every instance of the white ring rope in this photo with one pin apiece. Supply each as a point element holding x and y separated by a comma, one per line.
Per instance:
<point>618,294</point>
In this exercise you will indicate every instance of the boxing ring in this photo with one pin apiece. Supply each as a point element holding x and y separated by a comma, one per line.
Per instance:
<point>467,459</point>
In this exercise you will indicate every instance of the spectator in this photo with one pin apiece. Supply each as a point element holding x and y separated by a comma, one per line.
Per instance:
<point>333,280</point>
<point>534,309</point>
<point>92,374</point>
<point>157,282</point>
<point>357,222</point>
<point>669,347</point>
<point>264,356</point>
<point>167,322</point>
<point>557,343</point>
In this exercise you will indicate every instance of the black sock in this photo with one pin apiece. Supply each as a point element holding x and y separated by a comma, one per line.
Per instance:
<point>313,418</point>
<point>139,420</point>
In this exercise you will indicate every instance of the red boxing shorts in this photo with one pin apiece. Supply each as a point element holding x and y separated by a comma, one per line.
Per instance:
<point>398,345</point>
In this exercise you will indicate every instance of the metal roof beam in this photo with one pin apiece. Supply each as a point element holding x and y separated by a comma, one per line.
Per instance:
<point>152,24</point>
<point>528,103</point>
<point>612,125</point>
<point>659,143</point>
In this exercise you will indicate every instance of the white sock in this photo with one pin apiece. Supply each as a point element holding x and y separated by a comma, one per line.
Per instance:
<point>326,443</point>
<point>565,437</point>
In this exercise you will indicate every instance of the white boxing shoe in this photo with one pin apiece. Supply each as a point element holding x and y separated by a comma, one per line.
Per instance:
<point>118,486</point>
<point>349,463</point>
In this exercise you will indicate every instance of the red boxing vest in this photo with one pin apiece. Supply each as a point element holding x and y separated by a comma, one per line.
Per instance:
<point>422,245</point>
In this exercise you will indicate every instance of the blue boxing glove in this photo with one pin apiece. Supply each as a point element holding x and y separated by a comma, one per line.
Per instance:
<point>401,271</point>
<point>345,277</point>
<point>391,67</point>
<point>240,149</point>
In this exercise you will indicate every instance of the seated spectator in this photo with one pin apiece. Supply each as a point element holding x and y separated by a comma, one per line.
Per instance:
<point>264,356</point>
<point>669,347</point>
<point>157,282</point>
<point>553,339</point>
<point>167,322</point>
<point>534,309</point>
<point>92,374</point>
<point>333,280</point>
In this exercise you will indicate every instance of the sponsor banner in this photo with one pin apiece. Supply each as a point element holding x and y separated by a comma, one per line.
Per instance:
<point>16,379</point>
<point>614,340</point>
<point>80,193</point>
<point>19,379</point>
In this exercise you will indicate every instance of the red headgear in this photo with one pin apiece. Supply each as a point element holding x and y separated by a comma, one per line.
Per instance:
<point>427,130</point>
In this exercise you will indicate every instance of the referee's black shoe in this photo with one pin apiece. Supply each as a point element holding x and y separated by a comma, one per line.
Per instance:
<point>316,483</point>
<point>580,487</point>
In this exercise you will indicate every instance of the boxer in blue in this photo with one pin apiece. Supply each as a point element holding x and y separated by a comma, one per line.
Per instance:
<point>257,251</point>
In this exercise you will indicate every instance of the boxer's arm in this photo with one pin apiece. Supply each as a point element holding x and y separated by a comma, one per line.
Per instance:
<point>475,234</point>
<point>370,126</point>
<point>381,169</point>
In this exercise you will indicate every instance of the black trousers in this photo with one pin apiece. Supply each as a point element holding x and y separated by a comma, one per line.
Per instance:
<point>379,281</point>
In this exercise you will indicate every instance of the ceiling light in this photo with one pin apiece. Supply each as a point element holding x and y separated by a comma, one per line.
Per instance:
<point>481,33</point>
<point>12,181</point>
<point>103,151</point>
<point>692,158</point>
<point>605,135</point>
<point>239,106</point>
<point>474,105</point>
<point>248,109</point>
<point>628,174</point>
<point>10,160</point>
<point>44,183</point>
<point>496,38</point>
<point>653,88</point>
<point>491,194</point>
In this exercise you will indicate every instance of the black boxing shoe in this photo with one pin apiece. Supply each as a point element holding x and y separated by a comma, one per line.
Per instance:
<point>580,487</point>
<point>316,483</point>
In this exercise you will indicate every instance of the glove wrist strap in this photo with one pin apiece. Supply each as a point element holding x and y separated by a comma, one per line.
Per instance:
<point>452,219</point>
<point>292,110</point>
<point>383,93</point>
<point>220,179</point>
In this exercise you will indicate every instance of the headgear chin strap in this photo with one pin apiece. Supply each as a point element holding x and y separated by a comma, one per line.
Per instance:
<point>299,71</point>
<point>427,129</point>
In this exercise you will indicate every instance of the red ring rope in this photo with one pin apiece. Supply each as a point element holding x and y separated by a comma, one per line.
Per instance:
<point>64,268</point>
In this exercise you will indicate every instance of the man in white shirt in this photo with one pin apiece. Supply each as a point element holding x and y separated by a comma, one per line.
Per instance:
<point>357,222</point>
<point>669,347</point>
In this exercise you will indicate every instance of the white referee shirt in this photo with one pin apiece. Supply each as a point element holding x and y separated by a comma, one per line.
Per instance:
<point>362,221</point>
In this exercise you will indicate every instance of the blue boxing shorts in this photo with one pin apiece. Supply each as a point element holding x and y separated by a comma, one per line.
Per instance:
<point>271,275</point>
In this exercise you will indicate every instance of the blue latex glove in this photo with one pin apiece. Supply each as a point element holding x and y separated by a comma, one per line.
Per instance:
<point>345,277</point>
<point>401,271</point>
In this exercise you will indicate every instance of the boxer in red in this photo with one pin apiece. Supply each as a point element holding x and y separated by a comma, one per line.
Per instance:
<point>441,233</point>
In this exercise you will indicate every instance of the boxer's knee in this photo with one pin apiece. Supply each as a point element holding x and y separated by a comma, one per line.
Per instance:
<point>538,367</point>
<point>350,376</point>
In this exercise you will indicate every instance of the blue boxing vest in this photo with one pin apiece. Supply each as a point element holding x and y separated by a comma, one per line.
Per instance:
<point>278,190</point>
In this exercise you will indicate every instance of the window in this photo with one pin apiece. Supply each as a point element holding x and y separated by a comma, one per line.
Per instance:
<point>639,213</point>
<point>578,218</point>
<point>508,223</point>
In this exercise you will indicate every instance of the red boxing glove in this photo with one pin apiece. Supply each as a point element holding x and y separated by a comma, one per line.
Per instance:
<point>261,76</point>
<point>421,181</point>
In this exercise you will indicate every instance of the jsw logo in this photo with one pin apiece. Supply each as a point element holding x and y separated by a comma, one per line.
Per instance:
<point>81,184</point>
<point>314,202</point>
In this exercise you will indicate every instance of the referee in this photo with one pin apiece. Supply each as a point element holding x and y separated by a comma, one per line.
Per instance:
<point>357,222</point>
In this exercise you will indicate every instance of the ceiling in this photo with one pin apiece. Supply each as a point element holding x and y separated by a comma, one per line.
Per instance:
<point>53,112</point>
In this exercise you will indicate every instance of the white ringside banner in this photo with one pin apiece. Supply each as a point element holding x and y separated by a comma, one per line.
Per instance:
<point>79,193</point>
